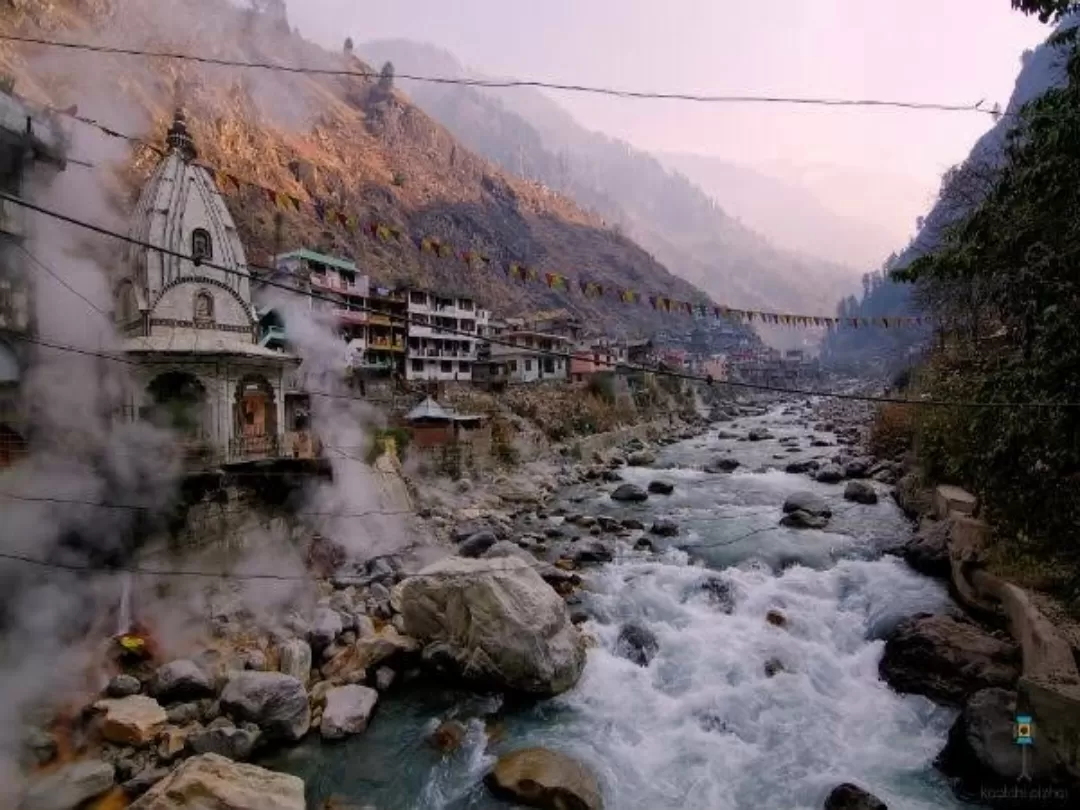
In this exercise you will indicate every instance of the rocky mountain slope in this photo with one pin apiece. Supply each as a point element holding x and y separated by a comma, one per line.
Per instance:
<point>358,144</point>
<point>528,134</point>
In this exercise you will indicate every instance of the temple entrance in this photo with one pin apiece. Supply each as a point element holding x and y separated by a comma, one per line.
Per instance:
<point>178,403</point>
<point>255,430</point>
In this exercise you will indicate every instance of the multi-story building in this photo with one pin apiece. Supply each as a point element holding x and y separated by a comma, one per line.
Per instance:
<point>444,336</point>
<point>596,356</point>
<point>716,367</point>
<point>28,137</point>
<point>531,356</point>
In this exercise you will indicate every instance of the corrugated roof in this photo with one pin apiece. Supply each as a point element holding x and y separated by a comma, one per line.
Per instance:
<point>429,409</point>
<point>321,258</point>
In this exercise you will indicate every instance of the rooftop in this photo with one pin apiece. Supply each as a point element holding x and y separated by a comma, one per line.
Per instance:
<point>430,410</point>
<point>318,258</point>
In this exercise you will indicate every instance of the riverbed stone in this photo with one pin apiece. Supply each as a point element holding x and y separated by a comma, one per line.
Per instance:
<point>664,527</point>
<point>722,464</point>
<point>134,720</point>
<point>591,551</point>
<point>928,550</point>
<point>857,467</point>
<point>235,742</point>
<point>448,737</point>
<point>852,797</point>
<point>661,487</point>
<point>800,519</point>
<point>294,659</point>
<point>640,458</point>
<point>801,467</point>
<point>348,709</point>
<point>808,502</point>
<point>476,544</point>
<point>69,786</point>
<point>325,627</point>
<point>213,781</point>
<point>633,524</point>
<point>122,686</point>
<point>759,434</point>
<point>829,474</point>
<point>275,702</point>
<point>629,493</point>
<point>179,681</point>
<point>546,779</point>
<point>637,643</point>
<point>860,492</point>
<point>494,622</point>
<point>947,659</point>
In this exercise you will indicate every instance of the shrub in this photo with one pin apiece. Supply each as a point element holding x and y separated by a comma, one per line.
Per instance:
<point>378,440</point>
<point>892,431</point>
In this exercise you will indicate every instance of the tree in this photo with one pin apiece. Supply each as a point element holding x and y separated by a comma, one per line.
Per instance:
<point>348,45</point>
<point>1046,9</point>
<point>386,77</point>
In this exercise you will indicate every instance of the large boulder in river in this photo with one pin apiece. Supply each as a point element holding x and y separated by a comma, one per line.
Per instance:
<point>476,544</point>
<point>829,474</point>
<point>134,720</point>
<point>630,493</point>
<point>947,659</point>
<point>981,753</point>
<point>546,779</point>
<point>851,797</point>
<point>759,435</point>
<point>348,709</point>
<point>860,492</point>
<point>807,502</point>
<point>722,464</point>
<point>214,782</point>
<point>294,659</point>
<point>276,703</point>
<point>69,786</point>
<point>661,487</point>
<point>181,681</point>
<point>494,622</point>
<point>928,550</point>
<point>640,458</point>
<point>637,643</point>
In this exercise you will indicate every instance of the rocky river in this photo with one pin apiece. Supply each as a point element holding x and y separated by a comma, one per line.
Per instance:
<point>734,661</point>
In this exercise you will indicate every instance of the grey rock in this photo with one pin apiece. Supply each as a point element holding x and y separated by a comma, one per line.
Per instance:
<point>857,468</point>
<point>851,797</point>
<point>144,780</point>
<point>860,492</point>
<point>275,702</point>
<point>664,527</point>
<point>41,744</point>
<point>759,435</point>
<point>829,474</point>
<point>463,531</point>
<point>633,524</point>
<point>475,545</point>
<point>183,713</point>
<point>928,551</point>
<point>803,520</point>
<point>384,678</point>
<point>611,476</point>
<point>591,551</point>
<point>629,493</point>
<point>348,709</point>
<point>947,659</point>
<point>123,686</point>
<point>68,787</point>
<point>326,626</point>
<point>254,659</point>
<point>181,680</point>
<point>722,465</point>
<point>237,744</point>
<point>800,467</point>
<point>642,458</point>
<point>807,502</point>
<point>661,487</point>
<point>637,643</point>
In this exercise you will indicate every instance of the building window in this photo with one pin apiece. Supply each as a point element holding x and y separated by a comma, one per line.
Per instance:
<point>513,365</point>
<point>418,365</point>
<point>465,304</point>
<point>202,249</point>
<point>418,298</point>
<point>446,366</point>
<point>528,365</point>
<point>549,365</point>
<point>204,307</point>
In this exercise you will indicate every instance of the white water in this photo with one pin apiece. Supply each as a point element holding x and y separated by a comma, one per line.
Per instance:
<point>123,612</point>
<point>702,726</point>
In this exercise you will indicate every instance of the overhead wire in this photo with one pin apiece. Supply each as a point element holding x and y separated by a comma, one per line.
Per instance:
<point>491,339</point>
<point>508,83</point>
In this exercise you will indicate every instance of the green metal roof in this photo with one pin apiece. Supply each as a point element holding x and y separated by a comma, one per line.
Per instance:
<point>321,258</point>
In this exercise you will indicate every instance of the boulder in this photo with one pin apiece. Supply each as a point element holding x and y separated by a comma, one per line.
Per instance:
<point>180,681</point>
<point>857,468</point>
<point>637,643</point>
<point>69,786</point>
<point>226,740</point>
<point>801,467</point>
<point>663,527</point>
<point>633,524</point>
<point>807,502</point>
<point>546,779</point>
<point>326,627</point>
<point>448,737</point>
<point>385,645</point>
<point>134,720</point>
<point>123,686</point>
<point>212,781</point>
<point>722,464</point>
<point>661,487</point>
<point>611,476</point>
<point>803,520</point>
<point>928,550</point>
<point>463,531</point>
<point>717,592</point>
<point>947,659</point>
<point>851,797</point>
<point>347,711</point>
<point>912,497</point>
<point>276,703</point>
<point>641,458</point>
<point>860,492</point>
<point>143,781</point>
<point>759,435</point>
<point>981,752</point>
<point>294,659</point>
<point>629,493</point>
<point>494,622</point>
<point>476,544</point>
<point>829,474</point>
<point>591,551</point>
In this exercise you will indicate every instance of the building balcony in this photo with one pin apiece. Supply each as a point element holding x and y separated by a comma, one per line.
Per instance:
<point>380,320</point>
<point>386,345</point>
<point>253,448</point>
<point>351,316</point>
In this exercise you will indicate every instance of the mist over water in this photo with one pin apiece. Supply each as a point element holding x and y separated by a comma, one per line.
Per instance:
<point>703,726</point>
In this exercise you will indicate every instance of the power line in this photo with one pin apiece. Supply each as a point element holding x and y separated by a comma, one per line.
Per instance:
<point>511,83</point>
<point>405,319</point>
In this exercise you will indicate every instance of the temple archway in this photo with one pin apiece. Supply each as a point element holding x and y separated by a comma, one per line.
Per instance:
<point>255,428</point>
<point>178,402</point>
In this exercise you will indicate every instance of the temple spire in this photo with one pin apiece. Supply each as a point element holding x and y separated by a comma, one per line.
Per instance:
<point>179,139</point>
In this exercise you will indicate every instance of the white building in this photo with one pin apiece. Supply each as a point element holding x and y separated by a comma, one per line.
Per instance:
<point>437,348</point>
<point>192,328</point>
<point>531,356</point>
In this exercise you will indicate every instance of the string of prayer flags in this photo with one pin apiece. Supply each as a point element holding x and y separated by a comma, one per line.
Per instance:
<point>556,281</point>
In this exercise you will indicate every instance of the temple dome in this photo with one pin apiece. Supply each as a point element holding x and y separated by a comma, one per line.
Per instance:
<point>181,210</point>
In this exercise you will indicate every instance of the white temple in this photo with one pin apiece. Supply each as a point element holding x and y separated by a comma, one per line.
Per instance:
<point>191,327</point>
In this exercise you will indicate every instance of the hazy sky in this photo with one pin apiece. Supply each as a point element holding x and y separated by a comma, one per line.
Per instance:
<point>953,51</point>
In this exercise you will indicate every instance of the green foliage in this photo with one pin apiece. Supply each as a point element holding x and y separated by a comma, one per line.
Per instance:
<point>602,386</point>
<point>1015,256</point>
<point>398,179</point>
<point>1047,10</point>
<point>386,76</point>
<point>378,439</point>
